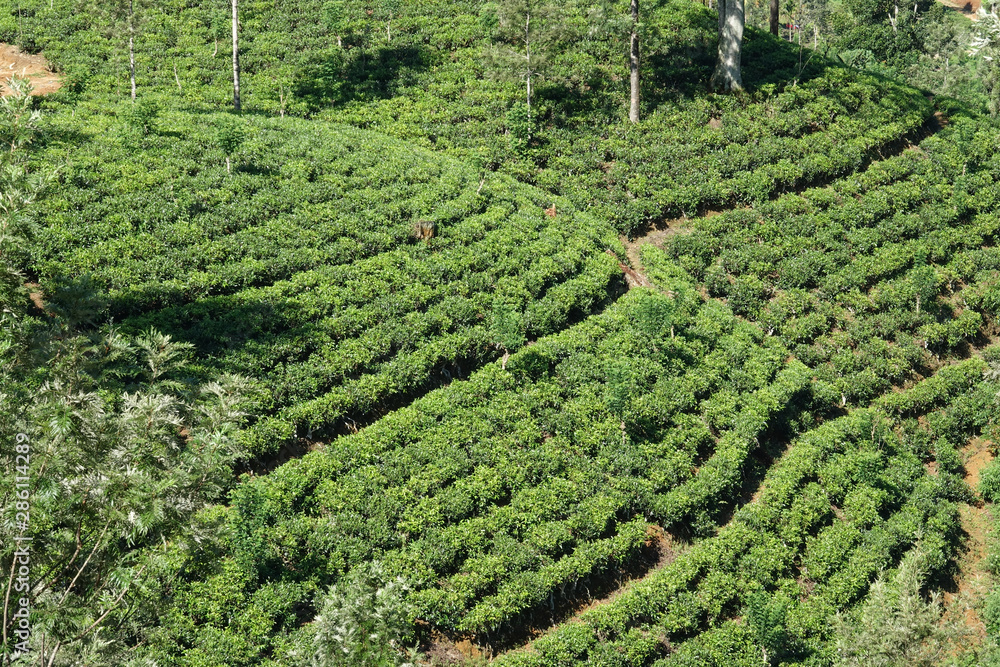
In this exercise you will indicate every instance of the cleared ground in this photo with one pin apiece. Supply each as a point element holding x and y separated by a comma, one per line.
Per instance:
<point>13,62</point>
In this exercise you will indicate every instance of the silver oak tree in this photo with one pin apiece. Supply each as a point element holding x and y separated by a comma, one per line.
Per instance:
<point>727,76</point>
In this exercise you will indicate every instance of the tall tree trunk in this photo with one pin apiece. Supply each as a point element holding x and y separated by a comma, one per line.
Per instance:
<point>527,56</point>
<point>633,64</point>
<point>236,57</point>
<point>131,47</point>
<point>727,77</point>
<point>774,17</point>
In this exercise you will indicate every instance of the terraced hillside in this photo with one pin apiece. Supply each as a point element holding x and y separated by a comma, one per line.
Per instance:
<point>475,417</point>
<point>438,81</point>
<point>305,267</point>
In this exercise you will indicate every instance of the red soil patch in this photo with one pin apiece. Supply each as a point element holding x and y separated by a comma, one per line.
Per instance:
<point>967,7</point>
<point>34,68</point>
<point>972,581</point>
<point>979,455</point>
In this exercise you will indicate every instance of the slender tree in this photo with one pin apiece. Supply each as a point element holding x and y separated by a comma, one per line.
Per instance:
<point>633,63</point>
<point>534,26</point>
<point>727,76</point>
<point>131,46</point>
<point>529,70</point>
<point>122,19</point>
<point>387,10</point>
<point>236,57</point>
<point>335,18</point>
<point>774,17</point>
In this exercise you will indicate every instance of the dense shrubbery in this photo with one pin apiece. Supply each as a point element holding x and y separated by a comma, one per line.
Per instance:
<point>874,278</point>
<point>432,84</point>
<point>498,494</point>
<point>847,501</point>
<point>110,450</point>
<point>351,273</point>
<point>301,268</point>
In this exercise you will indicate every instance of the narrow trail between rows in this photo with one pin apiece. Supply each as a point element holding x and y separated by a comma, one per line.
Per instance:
<point>972,581</point>
<point>667,549</point>
<point>658,232</point>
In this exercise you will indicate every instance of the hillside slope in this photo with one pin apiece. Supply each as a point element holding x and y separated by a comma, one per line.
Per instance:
<point>438,79</point>
<point>304,268</point>
<point>427,286</point>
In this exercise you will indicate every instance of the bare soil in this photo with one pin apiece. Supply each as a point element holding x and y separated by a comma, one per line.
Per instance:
<point>443,650</point>
<point>13,62</point>
<point>36,295</point>
<point>972,581</point>
<point>967,7</point>
<point>655,235</point>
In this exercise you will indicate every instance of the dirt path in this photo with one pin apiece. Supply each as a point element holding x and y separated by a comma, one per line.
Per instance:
<point>36,295</point>
<point>972,581</point>
<point>662,547</point>
<point>654,235</point>
<point>35,68</point>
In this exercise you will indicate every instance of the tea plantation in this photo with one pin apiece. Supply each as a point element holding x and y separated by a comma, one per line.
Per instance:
<point>400,366</point>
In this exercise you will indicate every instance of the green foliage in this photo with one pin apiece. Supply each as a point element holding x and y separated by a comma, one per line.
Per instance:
<point>230,137</point>
<point>363,620</point>
<point>20,119</point>
<point>307,276</point>
<point>528,483</point>
<point>130,451</point>
<point>858,279</point>
<point>506,329</point>
<point>430,84</point>
<point>989,482</point>
<point>890,32</point>
<point>752,563</point>
<point>896,299</point>
<point>520,124</point>
<point>529,30</point>
<point>985,44</point>
<point>143,115</point>
<point>767,619</point>
<point>895,625</point>
<point>19,188</point>
<point>117,450</point>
